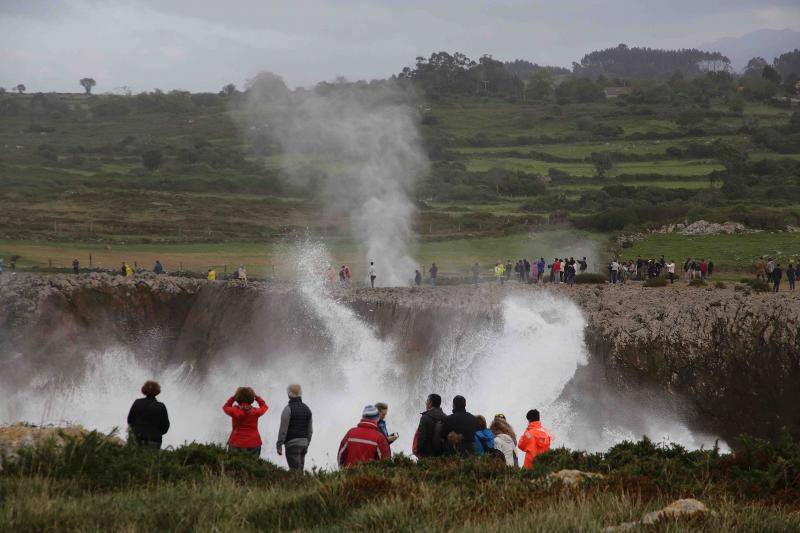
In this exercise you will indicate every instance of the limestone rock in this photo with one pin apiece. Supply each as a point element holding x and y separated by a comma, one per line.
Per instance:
<point>574,477</point>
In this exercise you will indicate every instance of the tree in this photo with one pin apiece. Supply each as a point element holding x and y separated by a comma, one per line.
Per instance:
<point>2,90</point>
<point>602,163</point>
<point>228,90</point>
<point>151,159</point>
<point>736,103</point>
<point>771,75</point>
<point>755,67</point>
<point>87,84</point>
<point>266,87</point>
<point>732,157</point>
<point>20,88</point>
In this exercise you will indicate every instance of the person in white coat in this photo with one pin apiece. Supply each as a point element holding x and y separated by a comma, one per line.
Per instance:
<point>505,439</point>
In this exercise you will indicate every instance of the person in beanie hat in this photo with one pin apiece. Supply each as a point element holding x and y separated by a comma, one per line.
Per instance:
<point>365,442</point>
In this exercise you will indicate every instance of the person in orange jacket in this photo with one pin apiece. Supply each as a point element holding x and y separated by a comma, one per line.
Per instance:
<point>536,440</point>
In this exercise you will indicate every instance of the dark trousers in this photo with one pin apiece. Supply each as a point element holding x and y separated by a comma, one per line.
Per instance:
<point>777,286</point>
<point>791,284</point>
<point>252,451</point>
<point>372,281</point>
<point>296,457</point>
<point>152,444</point>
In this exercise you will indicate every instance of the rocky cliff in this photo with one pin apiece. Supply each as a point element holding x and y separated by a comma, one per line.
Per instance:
<point>734,356</point>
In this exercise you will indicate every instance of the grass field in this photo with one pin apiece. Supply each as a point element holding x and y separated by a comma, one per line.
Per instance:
<point>453,257</point>
<point>95,486</point>
<point>79,178</point>
<point>727,251</point>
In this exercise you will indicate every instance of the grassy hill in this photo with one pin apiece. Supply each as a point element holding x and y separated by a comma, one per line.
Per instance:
<point>73,172</point>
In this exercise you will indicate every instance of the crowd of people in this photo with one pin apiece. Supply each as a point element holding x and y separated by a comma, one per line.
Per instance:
<point>770,271</point>
<point>438,434</point>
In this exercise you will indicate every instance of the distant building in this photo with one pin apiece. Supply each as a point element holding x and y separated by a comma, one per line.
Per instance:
<point>616,92</point>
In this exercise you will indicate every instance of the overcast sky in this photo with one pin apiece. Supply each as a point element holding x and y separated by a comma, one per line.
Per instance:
<point>204,44</point>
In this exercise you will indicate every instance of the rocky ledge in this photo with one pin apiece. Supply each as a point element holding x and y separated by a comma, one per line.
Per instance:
<point>734,354</point>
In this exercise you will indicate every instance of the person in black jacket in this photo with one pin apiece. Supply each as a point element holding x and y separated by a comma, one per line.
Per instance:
<point>777,274</point>
<point>459,429</point>
<point>295,430</point>
<point>148,420</point>
<point>429,440</point>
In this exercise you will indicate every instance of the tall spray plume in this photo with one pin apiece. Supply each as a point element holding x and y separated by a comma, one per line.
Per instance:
<point>356,149</point>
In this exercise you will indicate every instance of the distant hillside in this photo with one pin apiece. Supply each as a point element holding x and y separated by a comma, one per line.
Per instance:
<point>764,43</point>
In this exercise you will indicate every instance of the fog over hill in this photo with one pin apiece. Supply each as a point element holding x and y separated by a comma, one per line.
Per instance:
<point>766,43</point>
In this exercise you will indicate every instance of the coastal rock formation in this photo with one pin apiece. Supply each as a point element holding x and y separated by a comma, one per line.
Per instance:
<point>731,355</point>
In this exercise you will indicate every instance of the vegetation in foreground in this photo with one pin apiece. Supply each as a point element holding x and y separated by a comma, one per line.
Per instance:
<point>91,484</point>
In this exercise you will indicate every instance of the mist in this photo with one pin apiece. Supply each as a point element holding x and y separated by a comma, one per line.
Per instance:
<point>373,156</point>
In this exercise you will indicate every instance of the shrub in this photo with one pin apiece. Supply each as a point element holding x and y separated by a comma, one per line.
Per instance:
<point>151,159</point>
<point>655,282</point>
<point>590,279</point>
<point>697,283</point>
<point>720,285</point>
<point>757,284</point>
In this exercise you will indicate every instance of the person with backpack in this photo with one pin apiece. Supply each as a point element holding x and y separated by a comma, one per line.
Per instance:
<point>505,440</point>
<point>536,440</point>
<point>148,419</point>
<point>429,438</point>
<point>459,429</point>
<point>296,429</point>
<point>484,438</point>
<point>365,442</point>
<point>244,420</point>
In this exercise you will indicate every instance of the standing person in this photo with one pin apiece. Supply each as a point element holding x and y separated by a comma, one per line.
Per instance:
<point>158,269</point>
<point>499,272</point>
<point>583,264</point>
<point>128,271</point>
<point>211,275</point>
<point>540,269</point>
<point>476,274</point>
<point>244,420</point>
<point>536,440</point>
<point>710,267</point>
<point>687,274</point>
<point>372,274</point>
<point>559,272</point>
<point>777,274</point>
<point>614,271</point>
<point>770,269</point>
<point>791,275</point>
<point>671,271</point>
<point>418,277</point>
<point>505,439</point>
<point>347,275</point>
<point>148,420</point>
<point>484,438</point>
<point>364,443</point>
<point>518,270</point>
<point>241,273</point>
<point>571,272</point>
<point>527,270</point>
<point>383,410</point>
<point>508,269</point>
<point>1,265</point>
<point>459,429</point>
<point>703,269</point>
<point>341,276</point>
<point>76,266</point>
<point>296,429</point>
<point>434,272</point>
<point>429,440</point>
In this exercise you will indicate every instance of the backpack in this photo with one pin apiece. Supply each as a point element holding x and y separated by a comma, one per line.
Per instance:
<point>438,437</point>
<point>494,453</point>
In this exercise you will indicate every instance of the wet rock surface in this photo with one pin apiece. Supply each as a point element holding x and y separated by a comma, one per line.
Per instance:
<point>734,355</point>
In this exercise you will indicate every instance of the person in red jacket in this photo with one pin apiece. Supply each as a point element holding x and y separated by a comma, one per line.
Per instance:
<point>365,442</point>
<point>244,419</point>
<point>536,440</point>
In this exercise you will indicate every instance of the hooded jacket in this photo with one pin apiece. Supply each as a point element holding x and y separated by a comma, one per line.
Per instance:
<point>148,419</point>
<point>535,441</point>
<point>483,441</point>
<point>464,424</point>
<point>244,421</point>
<point>505,444</point>
<point>362,444</point>
<point>425,440</point>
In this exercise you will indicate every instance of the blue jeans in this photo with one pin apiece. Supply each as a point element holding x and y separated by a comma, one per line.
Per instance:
<point>614,277</point>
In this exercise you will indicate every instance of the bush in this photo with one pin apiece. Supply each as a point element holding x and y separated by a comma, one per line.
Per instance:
<point>720,285</point>
<point>151,159</point>
<point>655,282</point>
<point>590,279</point>
<point>697,283</point>
<point>757,284</point>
